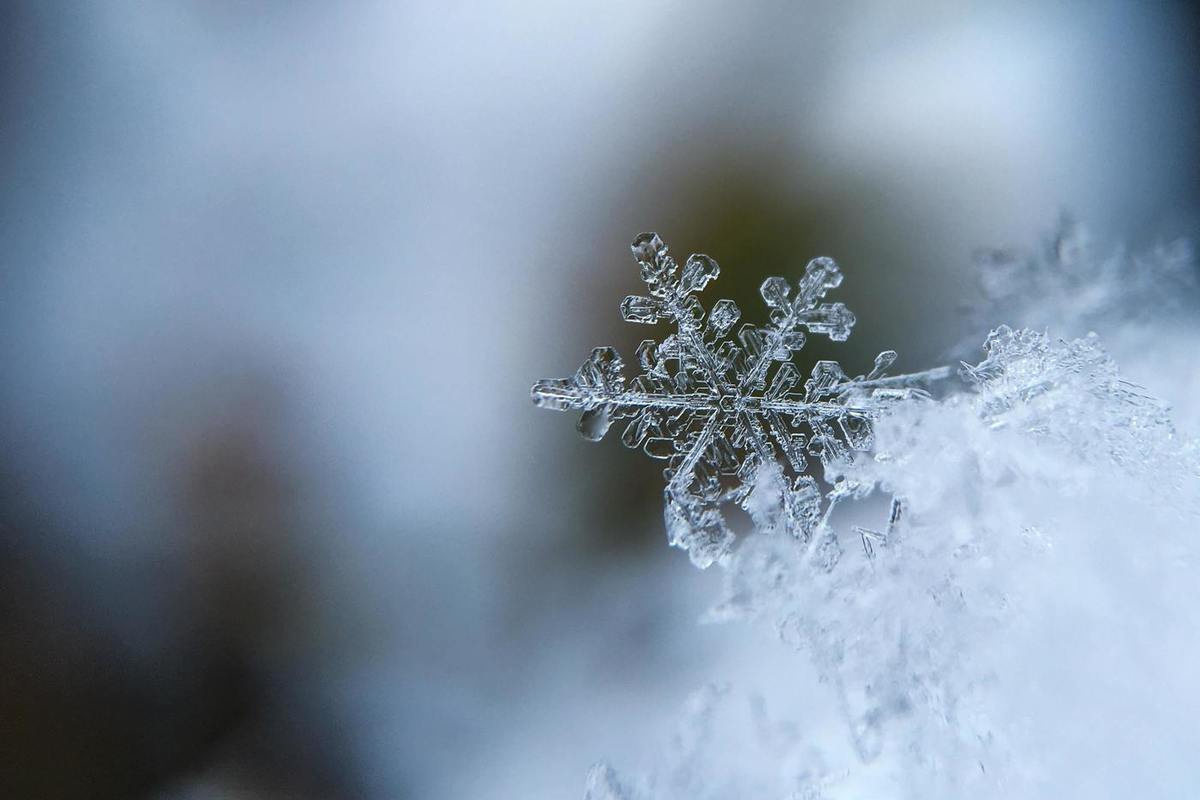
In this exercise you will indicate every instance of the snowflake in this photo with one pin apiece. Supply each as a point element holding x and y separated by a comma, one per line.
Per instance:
<point>731,416</point>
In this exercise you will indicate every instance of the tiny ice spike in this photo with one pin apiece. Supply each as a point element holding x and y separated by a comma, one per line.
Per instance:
<point>732,414</point>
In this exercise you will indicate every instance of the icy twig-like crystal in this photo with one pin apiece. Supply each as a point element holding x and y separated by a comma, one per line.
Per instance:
<point>1072,285</point>
<point>722,409</point>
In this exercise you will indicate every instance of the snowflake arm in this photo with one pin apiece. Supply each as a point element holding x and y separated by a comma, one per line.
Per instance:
<point>728,413</point>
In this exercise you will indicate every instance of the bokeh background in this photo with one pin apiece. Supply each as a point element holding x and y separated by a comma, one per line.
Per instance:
<point>277,518</point>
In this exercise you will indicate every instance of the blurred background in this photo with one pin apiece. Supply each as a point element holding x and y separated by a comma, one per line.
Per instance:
<point>277,518</point>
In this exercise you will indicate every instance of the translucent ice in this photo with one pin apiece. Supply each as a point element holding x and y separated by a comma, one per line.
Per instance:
<point>720,410</point>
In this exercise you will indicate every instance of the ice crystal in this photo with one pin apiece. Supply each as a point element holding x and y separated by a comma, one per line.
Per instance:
<point>1074,285</point>
<point>1070,394</point>
<point>1049,451</point>
<point>1143,301</point>
<point>950,652</point>
<point>731,415</point>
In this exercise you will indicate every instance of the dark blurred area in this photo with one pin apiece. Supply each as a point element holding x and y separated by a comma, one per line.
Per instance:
<point>277,519</point>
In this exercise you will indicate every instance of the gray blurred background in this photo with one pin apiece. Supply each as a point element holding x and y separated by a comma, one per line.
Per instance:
<point>277,518</point>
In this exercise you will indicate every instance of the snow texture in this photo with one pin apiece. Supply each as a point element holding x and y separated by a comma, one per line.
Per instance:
<point>1076,286</point>
<point>1023,624</point>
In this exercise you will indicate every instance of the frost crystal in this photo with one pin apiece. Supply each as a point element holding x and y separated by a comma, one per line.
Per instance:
<point>731,415</point>
<point>1050,470</point>
<point>1071,395</point>
<point>1074,286</point>
<point>1042,522</point>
